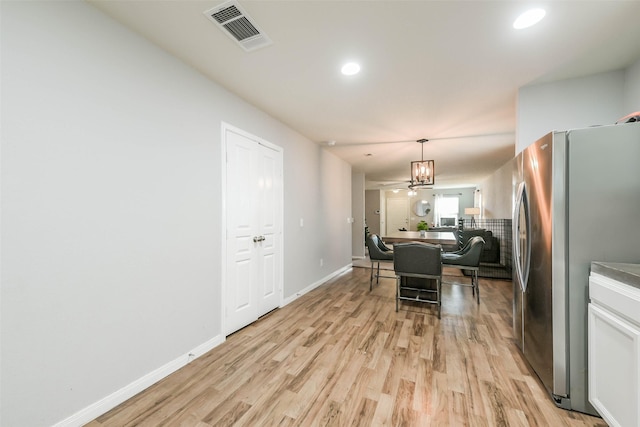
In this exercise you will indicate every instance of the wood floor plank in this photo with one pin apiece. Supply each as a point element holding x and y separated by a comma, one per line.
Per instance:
<point>377,381</point>
<point>341,356</point>
<point>440,396</point>
<point>354,402</point>
<point>517,418</point>
<point>309,393</point>
<point>384,410</point>
<point>365,413</point>
<point>424,385</point>
<point>403,413</point>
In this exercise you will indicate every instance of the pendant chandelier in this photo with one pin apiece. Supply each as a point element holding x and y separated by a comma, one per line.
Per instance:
<point>422,171</point>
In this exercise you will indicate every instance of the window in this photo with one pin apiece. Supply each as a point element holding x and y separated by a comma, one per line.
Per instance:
<point>446,210</point>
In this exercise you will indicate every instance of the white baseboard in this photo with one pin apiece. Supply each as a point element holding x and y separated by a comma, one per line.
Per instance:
<point>102,406</point>
<point>314,285</point>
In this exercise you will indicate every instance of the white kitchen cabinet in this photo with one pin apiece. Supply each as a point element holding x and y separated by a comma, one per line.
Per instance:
<point>614,343</point>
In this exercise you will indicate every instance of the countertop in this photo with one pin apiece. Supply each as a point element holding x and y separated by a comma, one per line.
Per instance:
<point>626,273</point>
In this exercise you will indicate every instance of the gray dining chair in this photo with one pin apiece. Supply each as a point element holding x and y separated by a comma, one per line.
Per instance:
<point>378,251</point>
<point>467,258</point>
<point>418,268</point>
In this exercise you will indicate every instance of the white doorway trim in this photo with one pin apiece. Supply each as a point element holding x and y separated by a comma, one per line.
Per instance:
<point>223,216</point>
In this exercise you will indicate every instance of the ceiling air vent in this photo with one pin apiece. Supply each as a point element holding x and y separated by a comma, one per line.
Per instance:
<point>234,22</point>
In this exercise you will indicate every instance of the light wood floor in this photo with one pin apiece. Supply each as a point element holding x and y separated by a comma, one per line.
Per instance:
<point>342,356</point>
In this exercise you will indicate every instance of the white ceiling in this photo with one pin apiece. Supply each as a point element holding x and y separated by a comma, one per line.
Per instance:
<point>447,71</point>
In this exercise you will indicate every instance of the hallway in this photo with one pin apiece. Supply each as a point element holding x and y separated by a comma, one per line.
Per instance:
<point>342,356</point>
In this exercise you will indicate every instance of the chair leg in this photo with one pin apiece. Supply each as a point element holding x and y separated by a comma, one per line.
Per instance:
<point>378,274</point>
<point>371,278</point>
<point>473,283</point>
<point>477,286</point>
<point>439,296</point>
<point>397,292</point>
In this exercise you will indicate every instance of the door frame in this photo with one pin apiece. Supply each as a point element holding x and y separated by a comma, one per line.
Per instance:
<point>223,216</point>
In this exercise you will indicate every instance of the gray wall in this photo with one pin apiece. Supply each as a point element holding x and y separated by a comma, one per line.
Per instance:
<point>111,208</point>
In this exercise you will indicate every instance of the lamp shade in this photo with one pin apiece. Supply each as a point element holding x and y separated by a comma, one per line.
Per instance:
<point>472,211</point>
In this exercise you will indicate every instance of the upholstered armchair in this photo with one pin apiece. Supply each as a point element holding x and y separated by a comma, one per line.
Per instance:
<point>378,251</point>
<point>467,258</point>
<point>417,266</point>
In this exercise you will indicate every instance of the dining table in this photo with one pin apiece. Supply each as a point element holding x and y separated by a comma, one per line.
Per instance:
<point>437,237</point>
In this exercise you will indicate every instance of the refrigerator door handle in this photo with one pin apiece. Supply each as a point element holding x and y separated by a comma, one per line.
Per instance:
<point>521,240</point>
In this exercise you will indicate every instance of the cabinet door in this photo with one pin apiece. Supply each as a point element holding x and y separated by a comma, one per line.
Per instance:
<point>614,367</point>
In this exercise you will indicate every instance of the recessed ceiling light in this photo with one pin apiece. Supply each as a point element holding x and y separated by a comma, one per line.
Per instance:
<point>351,68</point>
<point>529,18</point>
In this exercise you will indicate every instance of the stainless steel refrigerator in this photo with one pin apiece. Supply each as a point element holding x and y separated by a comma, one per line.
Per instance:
<point>577,200</point>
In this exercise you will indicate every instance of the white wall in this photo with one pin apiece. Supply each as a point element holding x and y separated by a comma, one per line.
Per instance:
<point>632,89</point>
<point>111,208</point>
<point>573,103</point>
<point>383,212</point>
<point>330,233</point>
<point>568,104</point>
<point>372,210</point>
<point>322,200</point>
<point>497,193</point>
<point>598,99</point>
<point>357,209</point>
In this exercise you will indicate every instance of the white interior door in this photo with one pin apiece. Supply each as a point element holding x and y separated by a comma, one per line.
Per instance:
<point>397,214</point>
<point>269,251</point>
<point>253,230</point>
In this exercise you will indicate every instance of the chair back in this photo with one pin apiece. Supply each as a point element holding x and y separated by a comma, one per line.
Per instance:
<point>470,256</point>
<point>375,253</point>
<point>464,249</point>
<point>382,246</point>
<point>473,254</point>
<point>417,258</point>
